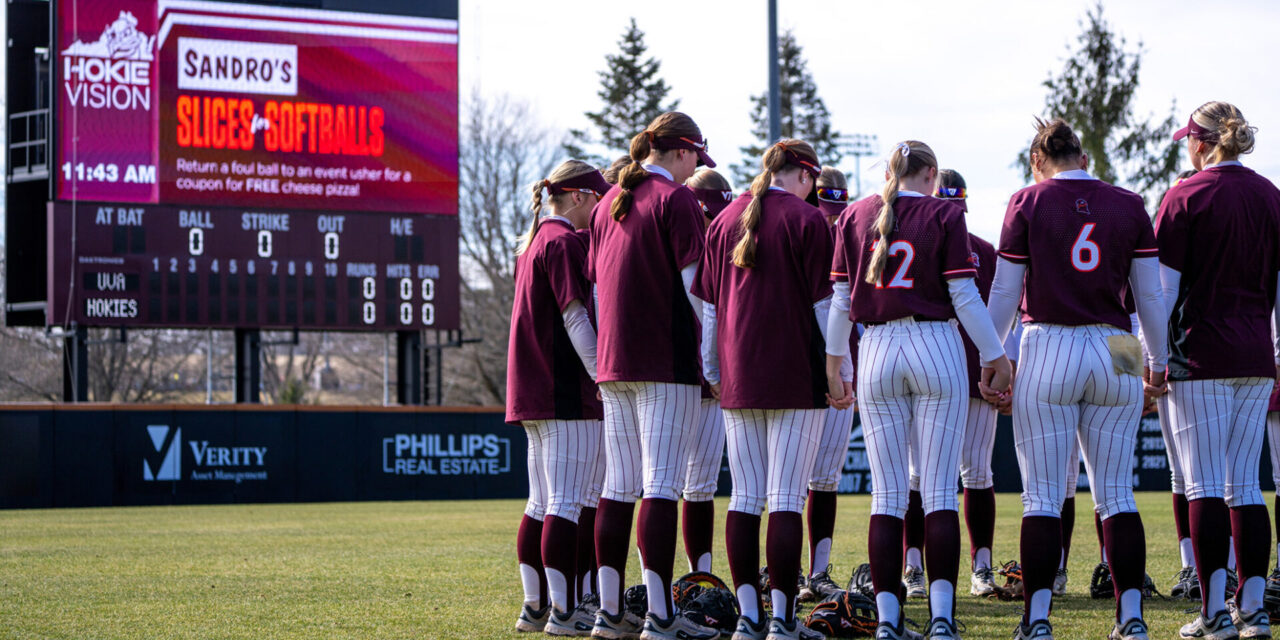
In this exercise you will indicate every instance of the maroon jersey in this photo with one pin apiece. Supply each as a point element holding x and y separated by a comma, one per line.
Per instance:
<point>545,375</point>
<point>1221,229</point>
<point>648,332</point>
<point>929,247</point>
<point>1078,239</point>
<point>983,257</point>
<point>772,355</point>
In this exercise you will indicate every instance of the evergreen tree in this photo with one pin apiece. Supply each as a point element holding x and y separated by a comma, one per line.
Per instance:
<point>633,95</point>
<point>804,114</point>
<point>1094,93</point>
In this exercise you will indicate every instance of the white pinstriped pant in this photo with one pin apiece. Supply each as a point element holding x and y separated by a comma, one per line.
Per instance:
<point>644,435</point>
<point>912,388</point>
<point>975,450</point>
<point>1177,480</point>
<point>1273,432</point>
<point>833,449</point>
<point>1217,428</point>
<point>704,447</point>
<point>562,454</point>
<point>595,484</point>
<point>1068,392</point>
<point>771,454</point>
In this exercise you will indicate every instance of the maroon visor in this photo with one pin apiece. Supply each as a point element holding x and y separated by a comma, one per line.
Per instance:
<point>590,181</point>
<point>696,144</point>
<point>1196,131</point>
<point>713,200</point>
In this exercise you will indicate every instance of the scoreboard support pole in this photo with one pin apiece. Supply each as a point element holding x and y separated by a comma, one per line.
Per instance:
<point>248,365</point>
<point>409,381</point>
<point>75,365</point>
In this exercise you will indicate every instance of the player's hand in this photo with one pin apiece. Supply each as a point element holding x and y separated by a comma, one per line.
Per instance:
<point>599,396</point>
<point>996,383</point>
<point>715,390</point>
<point>1154,384</point>
<point>836,388</point>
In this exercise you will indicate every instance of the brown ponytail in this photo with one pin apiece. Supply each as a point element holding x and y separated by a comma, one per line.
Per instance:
<point>1055,140</point>
<point>905,160</point>
<point>671,124</point>
<point>1233,133</point>
<point>567,169</point>
<point>774,160</point>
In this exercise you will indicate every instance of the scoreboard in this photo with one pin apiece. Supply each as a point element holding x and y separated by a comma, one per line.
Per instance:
<point>166,266</point>
<point>232,164</point>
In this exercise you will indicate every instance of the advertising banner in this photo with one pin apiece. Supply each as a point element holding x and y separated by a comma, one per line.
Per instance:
<point>243,105</point>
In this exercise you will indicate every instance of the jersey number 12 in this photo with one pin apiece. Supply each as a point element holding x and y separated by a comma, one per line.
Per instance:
<point>900,279</point>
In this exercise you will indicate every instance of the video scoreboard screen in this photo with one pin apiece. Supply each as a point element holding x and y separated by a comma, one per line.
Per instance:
<point>233,164</point>
<point>166,266</point>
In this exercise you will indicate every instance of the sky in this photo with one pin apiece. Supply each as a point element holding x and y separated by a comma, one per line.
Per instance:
<point>964,77</point>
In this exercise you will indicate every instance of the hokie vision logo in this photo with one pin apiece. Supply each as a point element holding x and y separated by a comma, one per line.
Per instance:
<point>209,462</point>
<point>112,72</point>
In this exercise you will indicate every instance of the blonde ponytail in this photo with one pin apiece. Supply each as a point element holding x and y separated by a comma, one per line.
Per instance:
<point>906,159</point>
<point>1233,137</point>
<point>536,207</point>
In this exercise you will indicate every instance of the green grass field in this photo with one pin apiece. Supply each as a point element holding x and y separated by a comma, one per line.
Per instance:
<point>395,570</point>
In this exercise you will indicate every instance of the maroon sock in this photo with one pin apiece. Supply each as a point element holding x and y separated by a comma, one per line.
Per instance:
<point>586,564</point>
<point>613,537</point>
<point>1182,517</point>
<point>698,523</point>
<point>1097,526</point>
<point>782,553</point>
<point>742,544</point>
<point>913,523</point>
<point>1041,548</point>
<point>560,550</point>
<point>884,548</point>
<point>822,523</point>
<point>1126,544</point>
<point>1208,537</point>
<point>1277,513</point>
<point>656,536</point>
<point>529,551</point>
<point>942,547</point>
<point>1252,536</point>
<point>1068,518</point>
<point>980,518</point>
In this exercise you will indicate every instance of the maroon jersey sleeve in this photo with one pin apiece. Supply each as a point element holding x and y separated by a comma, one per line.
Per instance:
<point>817,258</point>
<point>685,228</point>
<point>706,282</point>
<point>1173,225</point>
<point>839,263</point>
<point>563,262</point>
<point>1146,247</point>
<point>957,259</point>
<point>1014,245</point>
<point>592,241</point>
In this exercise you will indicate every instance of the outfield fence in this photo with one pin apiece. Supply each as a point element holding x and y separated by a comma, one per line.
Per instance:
<point>103,455</point>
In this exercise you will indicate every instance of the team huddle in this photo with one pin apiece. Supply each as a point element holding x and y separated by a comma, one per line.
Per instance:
<point>660,321</point>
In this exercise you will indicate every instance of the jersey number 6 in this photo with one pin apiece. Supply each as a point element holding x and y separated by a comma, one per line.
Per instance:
<point>900,279</point>
<point>1085,247</point>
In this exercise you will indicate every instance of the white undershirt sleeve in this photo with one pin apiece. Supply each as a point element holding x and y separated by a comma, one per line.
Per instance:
<point>710,350</point>
<point>973,315</point>
<point>839,326</point>
<point>1153,315</point>
<point>1014,342</point>
<point>1170,280</point>
<point>822,311</point>
<point>1275,322</point>
<point>1006,295</point>
<point>583,336</point>
<point>688,273</point>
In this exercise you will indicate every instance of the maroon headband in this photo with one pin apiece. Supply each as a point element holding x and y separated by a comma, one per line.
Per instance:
<point>796,160</point>
<point>591,181</point>
<point>713,200</point>
<point>1196,131</point>
<point>693,143</point>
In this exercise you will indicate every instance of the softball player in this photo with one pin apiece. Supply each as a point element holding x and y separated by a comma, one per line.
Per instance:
<point>1273,433</point>
<point>1219,234</point>
<point>903,269</point>
<point>837,424</point>
<point>646,241</point>
<point>551,368</point>
<point>771,249</point>
<point>706,441</point>
<point>1078,243</point>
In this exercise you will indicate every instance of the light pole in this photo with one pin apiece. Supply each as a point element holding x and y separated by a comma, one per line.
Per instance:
<point>860,145</point>
<point>775,98</point>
